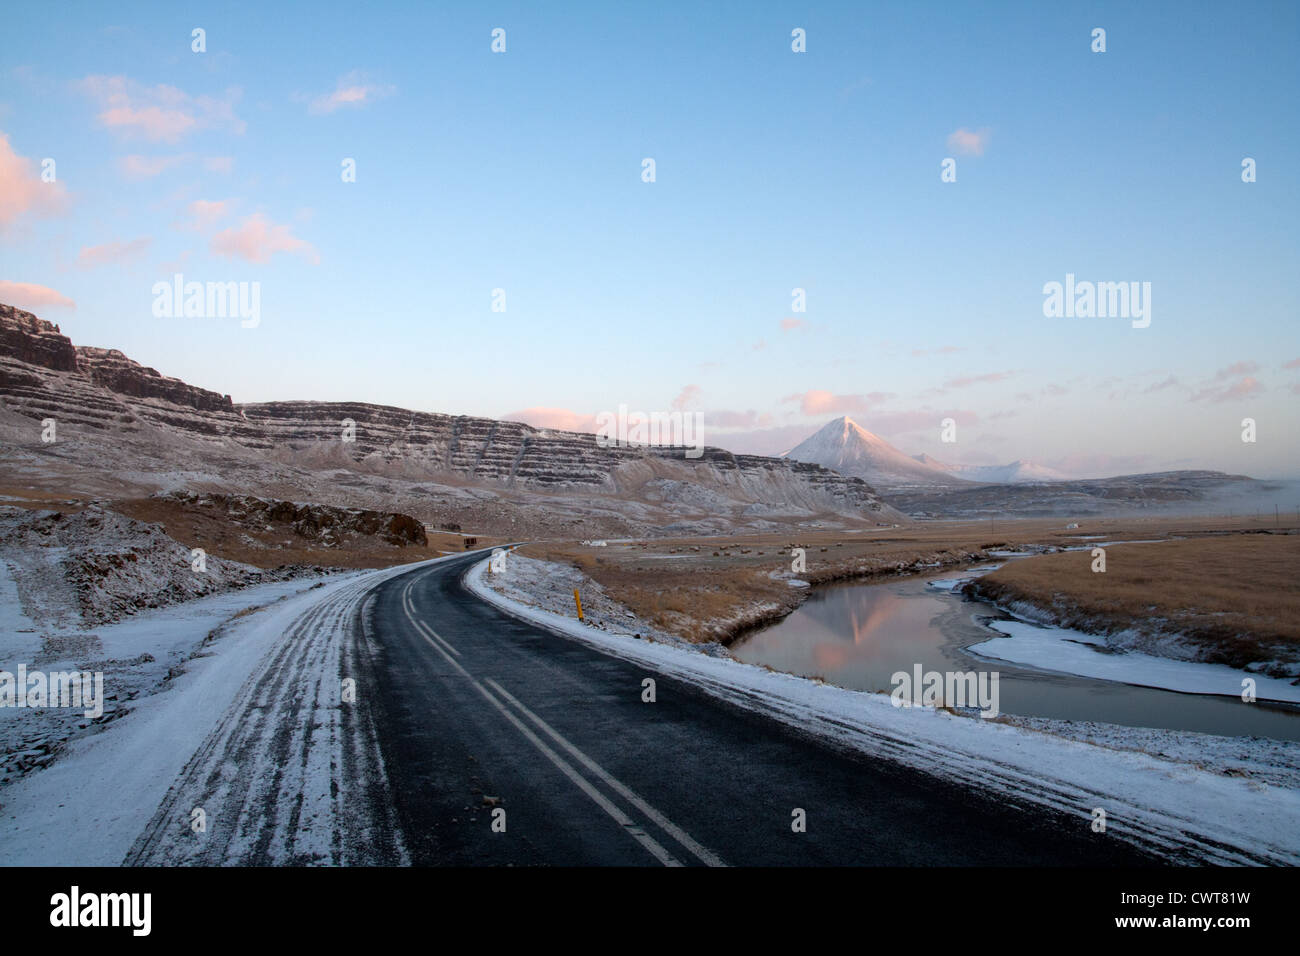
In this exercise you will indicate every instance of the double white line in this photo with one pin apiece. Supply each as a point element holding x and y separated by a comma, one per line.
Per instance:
<point>512,710</point>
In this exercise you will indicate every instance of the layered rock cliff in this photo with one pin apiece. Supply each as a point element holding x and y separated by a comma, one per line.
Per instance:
<point>42,375</point>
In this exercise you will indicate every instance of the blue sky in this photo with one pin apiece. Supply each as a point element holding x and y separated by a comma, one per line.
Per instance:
<point>774,170</point>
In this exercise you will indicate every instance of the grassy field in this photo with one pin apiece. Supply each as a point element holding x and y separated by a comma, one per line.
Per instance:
<point>707,589</point>
<point>1235,597</point>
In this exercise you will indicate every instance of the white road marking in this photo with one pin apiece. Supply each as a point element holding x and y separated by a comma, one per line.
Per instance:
<point>629,826</point>
<point>622,819</point>
<point>677,833</point>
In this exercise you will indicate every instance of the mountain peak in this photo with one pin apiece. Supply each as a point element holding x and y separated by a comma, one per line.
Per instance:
<point>845,446</point>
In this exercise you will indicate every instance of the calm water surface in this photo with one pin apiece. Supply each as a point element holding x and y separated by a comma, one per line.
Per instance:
<point>858,635</point>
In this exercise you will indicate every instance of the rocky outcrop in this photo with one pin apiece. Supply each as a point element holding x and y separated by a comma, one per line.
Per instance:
<point>43,376</point>
<point>34,341</point>
<point>320,524</point>
<point>117,373</point>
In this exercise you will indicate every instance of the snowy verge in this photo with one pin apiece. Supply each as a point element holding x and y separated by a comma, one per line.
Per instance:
<point>1174,807</point>
<point>105,794</point>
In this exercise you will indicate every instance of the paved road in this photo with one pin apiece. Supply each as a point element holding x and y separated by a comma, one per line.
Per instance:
<point>476,710</point>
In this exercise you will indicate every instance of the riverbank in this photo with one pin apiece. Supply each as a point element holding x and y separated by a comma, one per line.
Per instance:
<point>1214,600</point>
<point>717,590</point>
<point>720,589</point>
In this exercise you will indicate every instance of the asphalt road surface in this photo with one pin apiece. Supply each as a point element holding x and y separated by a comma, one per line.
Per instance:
<point>477,712</point>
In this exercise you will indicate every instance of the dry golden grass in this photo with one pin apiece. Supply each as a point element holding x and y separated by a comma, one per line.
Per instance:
<point>1236,596</point>
<point>717,588</point>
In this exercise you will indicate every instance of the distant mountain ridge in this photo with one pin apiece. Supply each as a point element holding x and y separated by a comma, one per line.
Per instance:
<point>1018,471</point>
<point>846,447</point>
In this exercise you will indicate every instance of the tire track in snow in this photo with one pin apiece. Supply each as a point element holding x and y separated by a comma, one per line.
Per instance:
<point>290,775</point>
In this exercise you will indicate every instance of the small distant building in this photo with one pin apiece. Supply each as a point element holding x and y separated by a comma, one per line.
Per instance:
<point>470,543</point>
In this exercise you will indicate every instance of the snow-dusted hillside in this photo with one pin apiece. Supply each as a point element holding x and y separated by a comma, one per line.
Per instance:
<point>1019,471</point>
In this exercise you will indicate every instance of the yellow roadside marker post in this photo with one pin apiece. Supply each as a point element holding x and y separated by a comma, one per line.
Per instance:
<point>578,601</point>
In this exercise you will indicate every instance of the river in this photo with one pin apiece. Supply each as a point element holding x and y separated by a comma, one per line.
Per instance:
<point>859,635</point>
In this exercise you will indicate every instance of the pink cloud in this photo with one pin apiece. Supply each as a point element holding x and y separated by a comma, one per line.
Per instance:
<point>689,395</point>
<point>28,295</point>
<point>1294,363</point>
<point>352,89</point>
<point>788,325</point>
<point>257,239</point>
<point>560,419</point>
<point>111,252</point>
<point>1243,388</point>
<point>1237,368</point>
<point>160,114</point>
<point>21,190</point>
<point>821,402</point>
<point>969,142</point>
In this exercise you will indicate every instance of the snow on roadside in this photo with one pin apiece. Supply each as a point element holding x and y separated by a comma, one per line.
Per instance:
<point>96,566</point>
<point>1170,803</point>
<point>549,586</point>
<point>136,657</point>
<point>88,807</point>
<point>1087,655</point>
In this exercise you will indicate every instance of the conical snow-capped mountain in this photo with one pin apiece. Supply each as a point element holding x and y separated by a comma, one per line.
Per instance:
<point>847,447</point>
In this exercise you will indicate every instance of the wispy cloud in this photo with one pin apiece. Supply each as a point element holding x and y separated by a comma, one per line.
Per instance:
<point>1242,388</point>
<point>789,325</point>
<point>352,90</point>
<point>969,142</point>
<point>1237,368</point>
<point>111,253</point>
<point>159,114</point>
<point>257,239</point>
<point>688,396</point>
